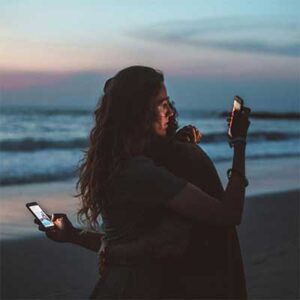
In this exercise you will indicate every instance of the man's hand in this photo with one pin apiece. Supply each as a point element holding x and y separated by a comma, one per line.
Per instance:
<point>189,134</point>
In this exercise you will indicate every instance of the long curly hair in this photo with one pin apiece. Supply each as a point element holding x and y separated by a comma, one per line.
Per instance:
<point>123,129</point>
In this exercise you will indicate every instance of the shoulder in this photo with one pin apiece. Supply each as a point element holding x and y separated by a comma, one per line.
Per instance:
<point>188,152</point>
<point>138,164</point>
<point>144,174</point>
<point>142,169</point>
<point>191,162</point>
<point>140,160</point>
<point>141,178</point>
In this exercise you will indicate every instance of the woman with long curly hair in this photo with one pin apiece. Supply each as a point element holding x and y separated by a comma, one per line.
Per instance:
<point>123,181</point>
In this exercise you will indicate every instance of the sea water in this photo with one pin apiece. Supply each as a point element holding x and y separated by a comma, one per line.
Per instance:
<point>43,145</point>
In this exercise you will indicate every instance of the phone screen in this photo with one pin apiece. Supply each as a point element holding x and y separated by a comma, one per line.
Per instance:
<point>237,105</point>
<point>41,215</point>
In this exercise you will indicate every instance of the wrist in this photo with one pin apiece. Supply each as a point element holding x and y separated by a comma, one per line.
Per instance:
<point>241,174</point>
<point>239,146</point>
<point>237,141</point>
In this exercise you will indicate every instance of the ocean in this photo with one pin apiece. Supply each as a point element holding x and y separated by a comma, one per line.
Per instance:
<point>45,145</point>
<point>40,150</point>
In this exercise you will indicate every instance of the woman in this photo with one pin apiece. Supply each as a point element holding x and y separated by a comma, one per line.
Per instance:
<point>120,181</point>
<point>211,266</point>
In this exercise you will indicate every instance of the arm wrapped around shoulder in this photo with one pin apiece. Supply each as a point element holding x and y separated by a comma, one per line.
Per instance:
<point>195,204</point>
<point>170,238</point>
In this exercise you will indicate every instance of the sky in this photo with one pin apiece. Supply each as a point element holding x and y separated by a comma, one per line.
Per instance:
<point>59,52</point>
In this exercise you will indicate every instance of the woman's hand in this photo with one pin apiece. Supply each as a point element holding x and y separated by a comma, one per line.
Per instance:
<point>63,231</point>
<point>240,123</point>
<point>189,134</point>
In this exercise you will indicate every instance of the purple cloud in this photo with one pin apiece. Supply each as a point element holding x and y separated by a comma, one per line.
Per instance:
<point>253,35</point>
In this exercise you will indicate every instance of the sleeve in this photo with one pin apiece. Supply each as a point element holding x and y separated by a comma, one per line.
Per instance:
<point>144,182</point>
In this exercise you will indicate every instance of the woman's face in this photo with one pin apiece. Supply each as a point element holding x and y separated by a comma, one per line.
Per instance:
<point>163,112</point>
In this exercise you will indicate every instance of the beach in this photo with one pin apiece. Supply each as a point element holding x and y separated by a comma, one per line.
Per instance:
<point>37,268</point>
<point>33,267</point>
<point>90,87</point>
<point>269,237</point>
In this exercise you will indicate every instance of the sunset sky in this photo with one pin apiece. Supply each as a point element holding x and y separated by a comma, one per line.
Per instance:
<point>60,52</point>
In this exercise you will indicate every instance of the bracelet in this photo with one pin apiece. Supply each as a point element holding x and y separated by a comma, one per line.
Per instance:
<point>237,140</point>
<point>229,173</point>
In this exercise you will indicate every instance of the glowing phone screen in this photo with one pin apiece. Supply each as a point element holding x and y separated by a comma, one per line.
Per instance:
<point>41,216</point>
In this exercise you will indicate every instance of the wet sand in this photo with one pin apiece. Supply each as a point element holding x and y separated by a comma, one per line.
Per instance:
<point>269,237</point>
<point>37,268</point>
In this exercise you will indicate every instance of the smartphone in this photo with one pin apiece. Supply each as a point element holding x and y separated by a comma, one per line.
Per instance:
<point>238,104</point>
<point>36,210</point>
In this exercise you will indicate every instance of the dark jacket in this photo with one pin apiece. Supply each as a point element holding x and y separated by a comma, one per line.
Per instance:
<point>212,266</point>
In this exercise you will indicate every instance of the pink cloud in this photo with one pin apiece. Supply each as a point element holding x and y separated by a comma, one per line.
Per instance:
<point>18,80</point>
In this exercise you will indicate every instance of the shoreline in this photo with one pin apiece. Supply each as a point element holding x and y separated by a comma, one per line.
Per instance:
<point>268,175</point>
<point>33,233</point>
<point>265,177</point>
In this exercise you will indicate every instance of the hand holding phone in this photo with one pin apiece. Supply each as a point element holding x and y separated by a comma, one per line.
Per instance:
<point>58,228</point>
<point>40,215</point>
<point>238,104</point>
<point>239,120</point>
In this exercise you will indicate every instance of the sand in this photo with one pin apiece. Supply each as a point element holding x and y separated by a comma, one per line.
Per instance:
<point>37,268</point>
<point>269,236</point>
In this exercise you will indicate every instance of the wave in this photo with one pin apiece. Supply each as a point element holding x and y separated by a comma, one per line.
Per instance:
<point>30,145</point>
<point>190,113</point>
<point>37,178</point>
<point>257,136</point>
<point>260,156</point>
<point>264,115</point>
<point>65,175</point>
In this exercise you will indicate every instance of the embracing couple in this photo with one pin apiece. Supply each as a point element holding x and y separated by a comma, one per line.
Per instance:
<point>168,224</point>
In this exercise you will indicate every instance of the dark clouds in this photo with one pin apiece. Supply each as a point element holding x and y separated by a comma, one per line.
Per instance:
<point>253,35</point>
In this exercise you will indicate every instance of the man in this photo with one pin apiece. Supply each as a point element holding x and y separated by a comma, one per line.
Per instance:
<point>212,265</point>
